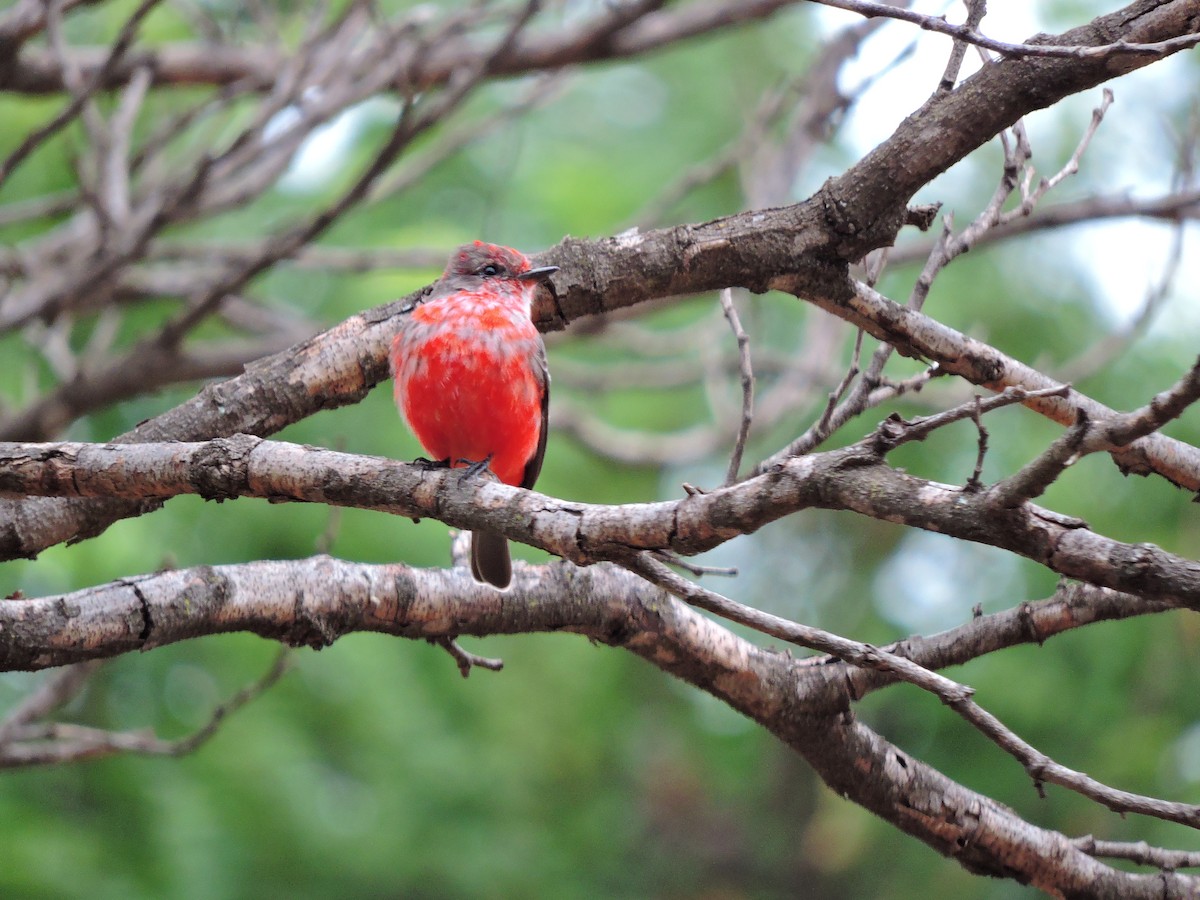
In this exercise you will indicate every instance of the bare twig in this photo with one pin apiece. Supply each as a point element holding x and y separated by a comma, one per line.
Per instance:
<point>114,184</point>
<point>946,248</point>
<point>52,693</point>
<point>1121,430</point>
<point>412,121</point>
<point>1030,198</point>
<point>79,98</point>
<point>971,36</point>
<point>1088,436</point>
<point>1032,480</point>
<point>25,19</point>
<point>1140,853</point>
<point>674,559</point>
<point>895,431</point>
<point>312,256</point>
<point>142,370</point>
<point>958,697</point>
<point>185,745</point>
<point>465,660</point>
<point>974,483</point>
<point>1180,206</point>
<point>747,372</point>
<point>825,425</point>
<point>55,743</point>
<point>1072,606</point>
<point>596,38</point>
<point>1042,768</point>
<point>853,652</point>
<point>976,10</point>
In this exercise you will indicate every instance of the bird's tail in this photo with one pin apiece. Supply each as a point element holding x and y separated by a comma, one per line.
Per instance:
<point>490,561</point>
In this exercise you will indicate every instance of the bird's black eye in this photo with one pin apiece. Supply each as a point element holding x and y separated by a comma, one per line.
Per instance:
<point>489,270</point>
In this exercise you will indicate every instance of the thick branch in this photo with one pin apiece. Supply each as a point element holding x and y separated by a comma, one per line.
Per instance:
<point>803,249</point>
<point>295,603</point>
<point>854,478</point>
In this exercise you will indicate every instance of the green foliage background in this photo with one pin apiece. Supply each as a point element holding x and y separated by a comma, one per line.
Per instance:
<point>375,770</point>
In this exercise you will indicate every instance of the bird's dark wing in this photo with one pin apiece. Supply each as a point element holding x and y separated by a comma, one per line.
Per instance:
<point>534,467</point>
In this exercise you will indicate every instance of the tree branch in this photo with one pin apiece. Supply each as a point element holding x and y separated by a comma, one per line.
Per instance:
<point>593,40</point>
<point>849,216</point>
<point>292,602</point>
<point>54,743</point>
<point>854,478</point>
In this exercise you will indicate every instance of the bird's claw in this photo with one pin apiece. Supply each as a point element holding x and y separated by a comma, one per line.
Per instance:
<point>429,464</point>
<point>474,469</point>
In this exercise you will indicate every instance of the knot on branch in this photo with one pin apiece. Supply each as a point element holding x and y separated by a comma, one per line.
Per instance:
<point>221,467</point>
<point>890,433</point>
<point>842,217</point>
<point>922,216</point>
<point>1134,560</point>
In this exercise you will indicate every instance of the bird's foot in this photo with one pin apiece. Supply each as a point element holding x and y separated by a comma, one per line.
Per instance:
<point>474,469</point>
<point>429,464</point>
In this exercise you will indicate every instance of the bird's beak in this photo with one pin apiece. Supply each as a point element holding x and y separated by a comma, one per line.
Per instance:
<point>540,274</point>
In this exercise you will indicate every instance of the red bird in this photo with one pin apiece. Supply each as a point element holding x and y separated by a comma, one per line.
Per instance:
<point>471,377</point>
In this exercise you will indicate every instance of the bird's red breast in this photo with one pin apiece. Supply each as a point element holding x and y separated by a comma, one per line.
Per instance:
<point>466,380</point>
<point>470,367</point>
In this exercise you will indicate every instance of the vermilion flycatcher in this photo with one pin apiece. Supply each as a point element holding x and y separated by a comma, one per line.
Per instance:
<point>471,377</point>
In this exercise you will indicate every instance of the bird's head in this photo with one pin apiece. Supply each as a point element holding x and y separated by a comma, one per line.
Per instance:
<point>479,263</point>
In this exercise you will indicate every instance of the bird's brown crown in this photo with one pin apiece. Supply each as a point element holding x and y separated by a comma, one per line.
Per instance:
<point>483,260</point>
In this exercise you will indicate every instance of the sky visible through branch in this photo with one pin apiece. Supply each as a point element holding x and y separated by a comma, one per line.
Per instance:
<point>1122,259</point>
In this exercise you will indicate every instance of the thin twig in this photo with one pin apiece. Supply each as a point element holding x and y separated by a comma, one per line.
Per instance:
<point>52,693</point>
<point>1089,436</point>
<point>976,10</point>
<point>673,559</point>
<point>465,659</point>
<point>958,697</point>
<point>1030,198</point>
<point>185,745</point>
<point>1032,480</point>
<point>412,121</point>
<point>1140,853</point>
<point>1163,408</point>
<point>747,372</point>
<point>52,743</point>
<point>974,483</point>
<point>115,164</point>
<point>79,98</point>
<point>895,431</point>
<point>970,36</point>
